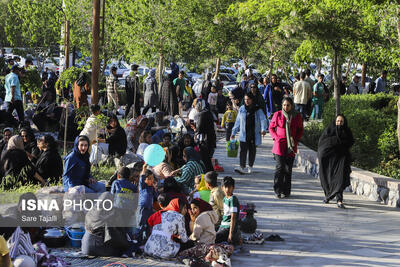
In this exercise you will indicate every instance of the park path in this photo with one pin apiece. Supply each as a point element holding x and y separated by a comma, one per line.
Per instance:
<point>316,234</point>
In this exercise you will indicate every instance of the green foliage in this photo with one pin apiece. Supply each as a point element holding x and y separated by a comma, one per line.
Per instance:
<point>81,115</point>
<point>31,81</point>
<point>68,77</point>
<point>312,132</point>
<point>388,144</point>
<point>368,116</point>
<point>390,168</point>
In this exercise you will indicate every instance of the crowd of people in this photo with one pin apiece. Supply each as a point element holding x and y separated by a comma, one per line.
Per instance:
<point>182,211</point>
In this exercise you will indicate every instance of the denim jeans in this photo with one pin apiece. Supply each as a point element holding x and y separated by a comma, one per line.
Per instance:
<point>301,108</point>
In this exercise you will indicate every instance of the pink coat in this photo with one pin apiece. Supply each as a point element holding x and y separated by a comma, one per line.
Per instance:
<point>278,133</point>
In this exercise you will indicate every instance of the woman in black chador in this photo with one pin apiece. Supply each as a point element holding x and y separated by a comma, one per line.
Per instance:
<point>335,159</point>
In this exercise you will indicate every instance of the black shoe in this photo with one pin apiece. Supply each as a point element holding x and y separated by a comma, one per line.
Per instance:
<point>285,196</point>
<point>278,195</point>
<point>341,206</point>
<point>326,201</point>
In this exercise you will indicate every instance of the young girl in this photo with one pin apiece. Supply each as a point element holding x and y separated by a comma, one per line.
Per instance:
<point>228,120</point>
<point>147,195</point>
<point>144,141</point>
<point>212,100</point>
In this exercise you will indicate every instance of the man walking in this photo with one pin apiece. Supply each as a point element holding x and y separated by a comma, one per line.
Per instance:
<point>381,83</point>
<point>13,97</point>
<point>302,94</point>
<point>112,90</point>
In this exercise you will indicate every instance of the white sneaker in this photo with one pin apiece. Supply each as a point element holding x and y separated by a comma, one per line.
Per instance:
<point>240,170</point>
<point>249,170</point>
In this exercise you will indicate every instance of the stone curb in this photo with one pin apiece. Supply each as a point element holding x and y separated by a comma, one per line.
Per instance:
<point>374,186</point>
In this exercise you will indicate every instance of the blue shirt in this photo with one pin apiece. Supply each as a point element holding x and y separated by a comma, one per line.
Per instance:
<point>10,81</point>
<point>147,194</point>
<point>380,85</point>
<point>124,190</point>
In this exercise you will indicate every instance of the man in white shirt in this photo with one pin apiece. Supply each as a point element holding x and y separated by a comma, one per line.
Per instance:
<point>302,94</point>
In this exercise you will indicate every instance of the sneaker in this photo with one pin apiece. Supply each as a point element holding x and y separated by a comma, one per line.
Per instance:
<point>249,170</point>
<point>240,170</point>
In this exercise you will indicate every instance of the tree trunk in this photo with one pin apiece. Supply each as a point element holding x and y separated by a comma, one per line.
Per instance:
<point>363,74</point>
<point>95,51</point>
<point>348,68</point>
<point>271,66</point>
<point>73,56</point>
<point>319,65</point>
<point>160,71</point>
<point>245,62</point>
<point>398,103</point>
<point>217,66</point>
<point>336,79</point>
<point>66,44</point>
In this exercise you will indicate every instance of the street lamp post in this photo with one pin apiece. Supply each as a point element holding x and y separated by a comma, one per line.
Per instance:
<point>66,36</point>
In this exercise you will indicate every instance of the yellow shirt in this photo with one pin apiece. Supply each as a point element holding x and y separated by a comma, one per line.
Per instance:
<point>3,251</point>
<point>217,201</point>
<point>229,116</point>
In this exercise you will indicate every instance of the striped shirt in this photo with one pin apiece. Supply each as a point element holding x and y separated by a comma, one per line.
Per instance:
<point>231,205</point>
<point>190,170</point>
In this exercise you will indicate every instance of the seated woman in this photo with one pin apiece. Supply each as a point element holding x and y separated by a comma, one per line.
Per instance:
<point>15,168</point>
<point>98,240</point>
<point>32,151</point>
<point>49,164</point>
<point>165,168</point>
<point>7,133</point>
<point>77,168</point>
<point>144,141</point>
<point>117,140</point>
<point>134,129</point>
<point>185,141</point>
<point>203,220</point>
<point>193,167</point>
<point>170,224</point>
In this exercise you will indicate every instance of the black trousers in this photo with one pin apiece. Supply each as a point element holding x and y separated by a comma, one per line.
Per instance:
<point>17,104</point>
<point>283,174</point>
<point>249,146</point>
<point>229,127</point>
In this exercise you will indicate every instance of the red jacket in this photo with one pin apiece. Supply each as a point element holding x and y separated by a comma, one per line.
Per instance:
<point>278,133</point>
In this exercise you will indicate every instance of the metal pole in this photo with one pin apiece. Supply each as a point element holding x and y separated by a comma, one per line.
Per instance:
<point>66,43</point>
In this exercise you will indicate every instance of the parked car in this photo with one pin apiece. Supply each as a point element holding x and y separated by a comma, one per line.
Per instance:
<point>121,68</point>
<point>142,71</point>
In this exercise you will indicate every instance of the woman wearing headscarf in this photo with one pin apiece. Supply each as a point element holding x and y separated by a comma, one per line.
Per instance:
<point>117,141</point>
<point>205,136</point>
<point>77,168</point>
<point>16,168</point>
<point>167,225</point>
<point>250,124</point>
<point>168,97</point>
<point>203,220</point>
<point>335,159</point>
<point>134,129</point>
<point>99,223</point>
<point>81,90</point>
<point>49,165</point>
<point>193,167</point>
<point>150,92</point>
<point>286,129</point>
<point>30,145</point>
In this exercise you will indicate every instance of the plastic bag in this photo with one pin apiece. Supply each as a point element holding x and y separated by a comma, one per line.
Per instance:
<point>232,148</point>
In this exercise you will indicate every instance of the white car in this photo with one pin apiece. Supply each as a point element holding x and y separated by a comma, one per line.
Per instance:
<point>142,71</point>
<point>52,64</point>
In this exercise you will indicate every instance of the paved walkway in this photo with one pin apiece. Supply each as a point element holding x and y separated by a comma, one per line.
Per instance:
<point>316,234</point>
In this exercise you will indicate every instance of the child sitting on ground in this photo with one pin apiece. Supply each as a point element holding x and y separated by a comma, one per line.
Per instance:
<point>166,143</point>
<point>147,195</point>
<point>217,195</point>
<point>228,120</point>
<point>123,188</point>
<point>229,229</point>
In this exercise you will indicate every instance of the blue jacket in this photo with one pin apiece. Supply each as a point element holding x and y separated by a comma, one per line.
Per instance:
<point>269,103</point>
<point>147,194</point>
<point>240,125</point>
<point>76,168</point>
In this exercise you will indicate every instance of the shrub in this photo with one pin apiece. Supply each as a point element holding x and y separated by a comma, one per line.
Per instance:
<point>372,119</point>
<point>388,144</point>
<point>390,168</point>
<point>312,132</point>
